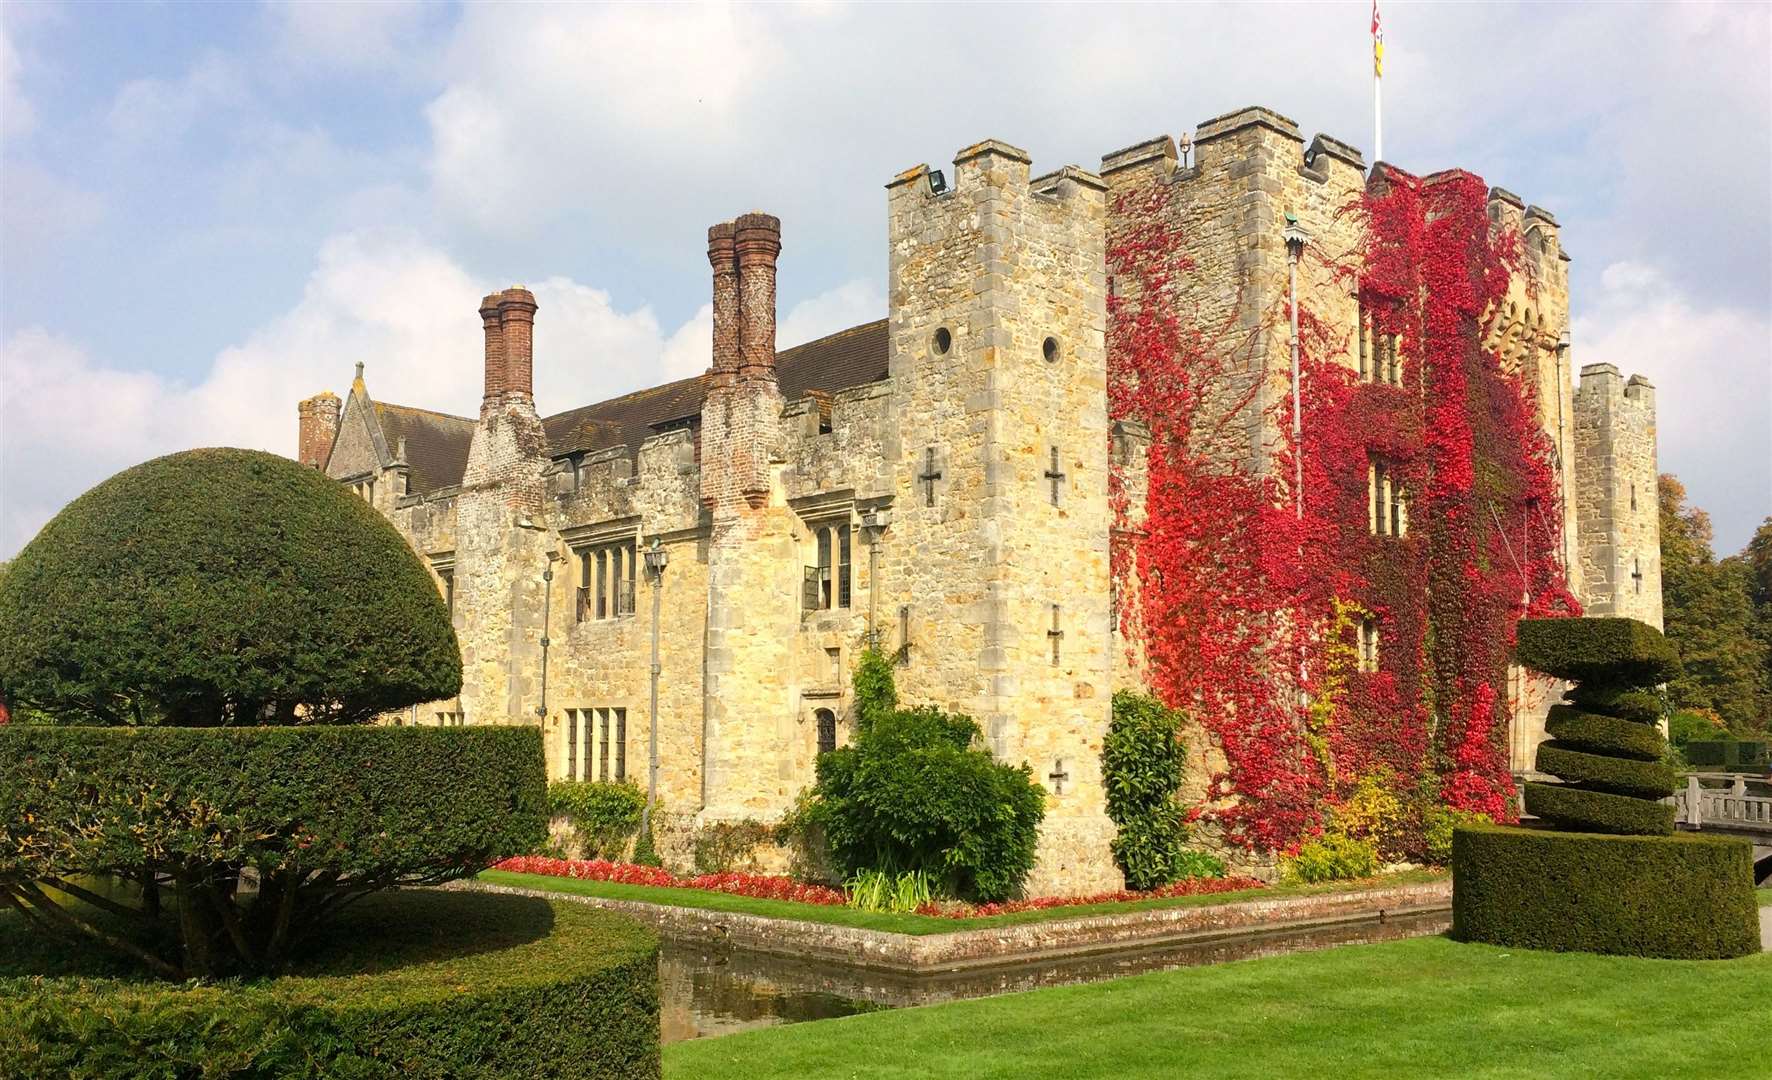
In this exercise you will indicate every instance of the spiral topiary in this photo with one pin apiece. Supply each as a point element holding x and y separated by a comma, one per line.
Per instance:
<point>1605,746</point>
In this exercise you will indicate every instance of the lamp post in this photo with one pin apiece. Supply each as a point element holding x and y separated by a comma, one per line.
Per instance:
<point>1295,240</point>
<point>657,558</point>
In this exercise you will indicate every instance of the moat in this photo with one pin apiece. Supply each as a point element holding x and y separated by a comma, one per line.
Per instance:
<point>707,991</point>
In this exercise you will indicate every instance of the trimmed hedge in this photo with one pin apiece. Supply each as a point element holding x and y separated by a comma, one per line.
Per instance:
<point>222,586</point>
<point>439,985</point>
<point>1600,772</point>
<point>1619,652</point>
<point>1570,807</point>
<point>1688,896</point>
<point>319,811</point>
<point>1643,706</point>
<point>1593,732</point>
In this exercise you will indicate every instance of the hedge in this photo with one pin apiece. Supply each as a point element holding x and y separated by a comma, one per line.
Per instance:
<point>1644,706</point>
<point>222,586</point>
<point>425,985</point>
<point>1607,734</point>
<point>323,810</point>
<point>1597,811</point>
<point>1601,772</point>
<point>1688,896</point>
<point>1621,652</point>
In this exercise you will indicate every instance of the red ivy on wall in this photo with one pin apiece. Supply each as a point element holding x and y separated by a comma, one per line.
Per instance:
<point>1243,604</point>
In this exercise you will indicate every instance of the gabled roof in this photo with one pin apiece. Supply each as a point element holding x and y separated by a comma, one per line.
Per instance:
<point>437,443</point>
<point>853,357</point>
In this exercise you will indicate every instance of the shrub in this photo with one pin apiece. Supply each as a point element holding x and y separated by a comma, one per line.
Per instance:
<point>876,693</point>
<point>1141,766</point>
<point>604,814</point>
<point>912,794</point>
<point>433,998</point>
<point>725,846</point>
<point>1687,896</point>
<point>222,587</point>
<point>319,815</point>
<point>1331,857</point>
<point>1441,823</point>
<point>1612,776</point>
<point>1688,725</point>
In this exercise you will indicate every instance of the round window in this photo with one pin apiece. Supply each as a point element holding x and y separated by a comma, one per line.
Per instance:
<point>1049,348</point>
<point>943,341</point>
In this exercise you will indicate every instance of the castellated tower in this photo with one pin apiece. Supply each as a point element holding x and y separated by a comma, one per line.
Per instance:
<point>499,601</point>
<point>753,570</point>
<point>1619,530</point>
<point>998,553</point>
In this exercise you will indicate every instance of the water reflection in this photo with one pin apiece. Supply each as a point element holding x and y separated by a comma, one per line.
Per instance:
<point>709,991</point>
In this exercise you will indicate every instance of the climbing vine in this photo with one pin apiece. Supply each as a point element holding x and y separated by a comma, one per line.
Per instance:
<point>1249,606</point>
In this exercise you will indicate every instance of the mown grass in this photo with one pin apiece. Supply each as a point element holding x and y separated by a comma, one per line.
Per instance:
<point>1427,1007</point>
<point>909,924</point>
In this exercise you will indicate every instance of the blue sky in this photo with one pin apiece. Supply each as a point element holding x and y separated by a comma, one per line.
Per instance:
<point>210,211</point>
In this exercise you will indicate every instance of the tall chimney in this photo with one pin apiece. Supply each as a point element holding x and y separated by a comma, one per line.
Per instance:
<point>758,241</point>
<point>721,256</point>
<point>318,427</point>
<point>516,320</point>
<point>495,352</point>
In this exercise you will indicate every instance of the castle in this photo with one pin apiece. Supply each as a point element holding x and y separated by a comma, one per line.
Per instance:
<point>934,483</point>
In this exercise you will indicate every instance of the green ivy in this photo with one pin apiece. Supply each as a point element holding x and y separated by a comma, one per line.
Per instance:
<point>876,694</point>
<point>604,814</point>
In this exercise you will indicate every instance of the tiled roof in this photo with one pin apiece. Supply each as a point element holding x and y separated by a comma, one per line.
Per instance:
<point>852,357</point>
<point>436,444</point>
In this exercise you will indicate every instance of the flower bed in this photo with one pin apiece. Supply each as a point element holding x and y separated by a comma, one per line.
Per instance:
<point>765,887</point>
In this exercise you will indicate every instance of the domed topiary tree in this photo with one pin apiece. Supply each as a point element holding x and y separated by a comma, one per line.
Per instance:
<point>1604,871</point>
<point>197,609</point>
<point>218,587</point>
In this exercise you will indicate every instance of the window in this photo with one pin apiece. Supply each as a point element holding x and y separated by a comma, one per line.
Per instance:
<point>449,719</point>
<point>834,656</point>
<point>827,585</point>
<point>944,340</point>
<point>596,744</point>
<point>1380,359</point>
<point>827,730</point>
<point>1049,349</point>
<point>606,581</point>
<point>1387,513</point>
<point>448,577</point>
<point>1368,644</point>
<point>365,489</point>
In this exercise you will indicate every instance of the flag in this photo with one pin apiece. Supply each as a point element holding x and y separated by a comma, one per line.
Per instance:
<point>1377,43</point>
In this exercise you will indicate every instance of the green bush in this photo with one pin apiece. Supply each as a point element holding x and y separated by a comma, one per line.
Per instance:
<point>605,814</point>
<point>1569,807</point>
<point>872,890</point>
<point>1332,857</point>
<point>321,815</point>
<point>222,587</point>
<point>1441,822</point>
<point>440,986</point>
<point>1595,733</point>
<point>1687,896</point>
<point>1599,772</point>
<point>1643,706</point>
<point>722,846</point>
<point>1141,765</point>
<point>1608,652</point>
<point>876,693</point>
<point>911,794</point>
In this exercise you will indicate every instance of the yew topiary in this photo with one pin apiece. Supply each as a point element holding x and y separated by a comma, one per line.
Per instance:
<point>221,587</point>
<point>1605,747</point>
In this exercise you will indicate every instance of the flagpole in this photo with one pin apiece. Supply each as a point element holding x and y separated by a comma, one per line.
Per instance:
<point>1377,117</point>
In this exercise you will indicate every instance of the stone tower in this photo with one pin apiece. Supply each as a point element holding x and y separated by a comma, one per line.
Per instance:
<point>1619,520</point>
<point>502,548</point>
<point>999,559</point>
<point>753,563</point>
<point>318,426</point>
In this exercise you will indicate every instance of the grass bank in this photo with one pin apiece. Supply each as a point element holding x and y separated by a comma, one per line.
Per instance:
<point>1416,1008</point>
<point>911,924</point>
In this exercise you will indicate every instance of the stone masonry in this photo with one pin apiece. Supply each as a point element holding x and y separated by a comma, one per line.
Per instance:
<point>935,483</point>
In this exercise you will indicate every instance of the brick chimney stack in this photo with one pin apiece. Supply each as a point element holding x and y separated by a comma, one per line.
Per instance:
<point>516,321</point>
<point>724,259</point>
<point>318,428</point>
<point>757,240</point>
<point>495,352</point>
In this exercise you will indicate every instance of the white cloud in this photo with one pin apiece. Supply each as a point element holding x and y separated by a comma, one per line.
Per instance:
<point>352,36</point>
<point>17,117</point>
<point>403,308</point>
<point>163,111</point>
<point>1712,369</point>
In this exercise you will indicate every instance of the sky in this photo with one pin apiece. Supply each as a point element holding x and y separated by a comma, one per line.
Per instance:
<point>209,212</point>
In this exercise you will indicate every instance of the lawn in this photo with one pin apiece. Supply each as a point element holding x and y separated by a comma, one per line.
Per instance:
<point>902,924</point>
<point>1422,1007</point>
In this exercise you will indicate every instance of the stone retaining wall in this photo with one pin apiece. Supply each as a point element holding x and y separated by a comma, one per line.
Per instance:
<point>964,949</point>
